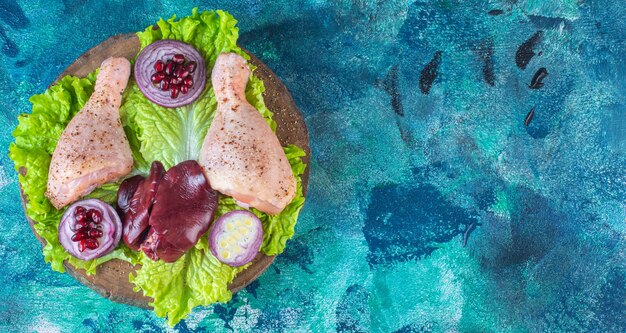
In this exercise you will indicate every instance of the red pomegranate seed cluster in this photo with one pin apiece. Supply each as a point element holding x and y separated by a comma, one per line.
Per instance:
<point>174,75</point>
<point>87,228</point>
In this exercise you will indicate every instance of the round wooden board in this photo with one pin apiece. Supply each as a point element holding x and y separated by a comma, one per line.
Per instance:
<point>111,279</point>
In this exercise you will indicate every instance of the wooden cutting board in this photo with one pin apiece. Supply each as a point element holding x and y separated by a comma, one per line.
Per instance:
<point>111,279</point>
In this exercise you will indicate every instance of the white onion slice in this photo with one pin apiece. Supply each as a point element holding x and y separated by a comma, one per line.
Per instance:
<point>235,238</point>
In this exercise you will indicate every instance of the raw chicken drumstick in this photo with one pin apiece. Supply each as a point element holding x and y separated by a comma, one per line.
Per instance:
<point>241,156</point>
<point>93,148</point>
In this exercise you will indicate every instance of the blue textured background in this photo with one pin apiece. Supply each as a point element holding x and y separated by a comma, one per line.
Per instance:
<point>400,180</point>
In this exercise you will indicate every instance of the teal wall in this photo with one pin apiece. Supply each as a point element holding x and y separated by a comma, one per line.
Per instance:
<point>431,206</point>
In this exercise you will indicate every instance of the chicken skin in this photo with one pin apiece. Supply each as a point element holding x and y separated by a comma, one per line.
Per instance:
<point>241,156</point>
<point>93,148</point>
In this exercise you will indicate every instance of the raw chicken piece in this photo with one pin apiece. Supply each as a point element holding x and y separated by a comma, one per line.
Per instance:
<point>241,156</point>
<point>93,148</point>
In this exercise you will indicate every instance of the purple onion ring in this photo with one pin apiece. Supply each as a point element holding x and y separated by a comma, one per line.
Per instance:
<point>163,50</point>
<point>235,238</point>
<point>111,229</point>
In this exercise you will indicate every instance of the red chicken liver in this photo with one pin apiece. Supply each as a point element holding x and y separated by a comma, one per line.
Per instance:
<point>183,210</point>
<point>135,222</point>
<point>125,194</point>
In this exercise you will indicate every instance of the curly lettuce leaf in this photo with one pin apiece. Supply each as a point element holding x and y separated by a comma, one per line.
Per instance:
<point>210,32</point>
<point>51,112</point>
<point>122,252</point>
<point>36,136</point>
<point>197,278</point>
<point>168,135</point>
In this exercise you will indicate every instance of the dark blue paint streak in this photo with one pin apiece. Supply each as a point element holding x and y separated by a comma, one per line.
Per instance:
<point>353,312</point>
<point>403,223</point>
<point>13,15</point>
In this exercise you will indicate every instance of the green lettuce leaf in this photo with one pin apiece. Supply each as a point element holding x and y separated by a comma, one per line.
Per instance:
<point>197,278</point>
<point>122,252</point>
<point>168,135</point>
<point>210,32</point>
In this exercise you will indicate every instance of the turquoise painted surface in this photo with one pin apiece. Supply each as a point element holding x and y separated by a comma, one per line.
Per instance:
<point>433,212</point>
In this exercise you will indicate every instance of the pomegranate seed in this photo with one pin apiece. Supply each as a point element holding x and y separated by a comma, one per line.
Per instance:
<point>188,81</point>
<point>82,225</point>
<point>169,68</point>
<point>182,72</point>
<point>96,217</point>
<point>165,84</point>
<point>81,245</point>
<point>177,80</point>
<point>157,77</point>
<point>191,66</point>
<point>77,237</point>
<point>90,214</point>
<point>95,233</point>
<point>179,58</point>
<point>80,209</point>
<point>91,244</point>
<point>159,66</point>
<point>184,89</point>
<point>80,216</point>
<point>175,89</point>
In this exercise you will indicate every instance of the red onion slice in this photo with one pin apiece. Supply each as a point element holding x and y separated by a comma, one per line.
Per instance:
<point>164,50</point>
<point>235,238</point>
<point>111,227</point>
